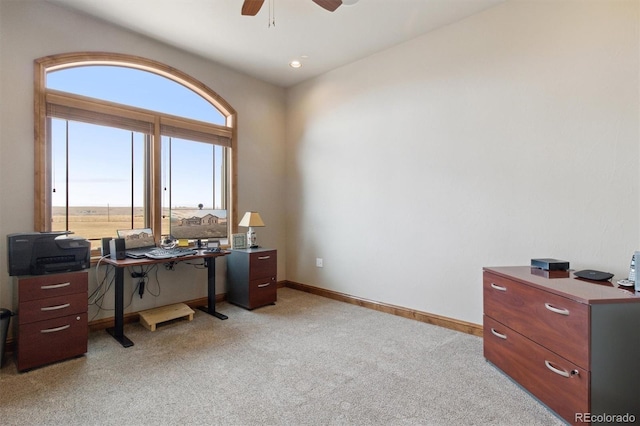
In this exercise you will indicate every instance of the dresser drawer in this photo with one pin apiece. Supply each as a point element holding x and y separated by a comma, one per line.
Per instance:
<point>43,286</point>
<point>52,307</point>
<point>553,321</point>
<point>262,292</point>
<point>263,264</point>
<point>558,383</point>
<point>44,342</point>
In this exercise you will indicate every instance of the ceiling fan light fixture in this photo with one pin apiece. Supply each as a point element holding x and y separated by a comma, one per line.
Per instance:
<point>349,2</point>
<point>295,64</point>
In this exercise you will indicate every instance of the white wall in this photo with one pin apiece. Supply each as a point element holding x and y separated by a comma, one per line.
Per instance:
<point>510,135</point>
<point>32,29</point>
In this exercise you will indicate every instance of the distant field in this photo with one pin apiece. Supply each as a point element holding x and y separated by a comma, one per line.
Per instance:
<point>95,223</point>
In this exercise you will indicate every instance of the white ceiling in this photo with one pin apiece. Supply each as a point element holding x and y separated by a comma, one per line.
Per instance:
<point>321,40</point>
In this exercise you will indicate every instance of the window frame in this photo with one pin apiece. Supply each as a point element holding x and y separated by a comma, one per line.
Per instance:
<point>42,151</point>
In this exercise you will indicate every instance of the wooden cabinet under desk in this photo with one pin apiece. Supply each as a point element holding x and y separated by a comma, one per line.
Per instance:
<point>52,322</point>
<point>574,344</point>
<point>252,277</point>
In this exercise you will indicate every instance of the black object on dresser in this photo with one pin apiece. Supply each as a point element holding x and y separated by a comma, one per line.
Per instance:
<point>52,320</point>
<point>251,277</point>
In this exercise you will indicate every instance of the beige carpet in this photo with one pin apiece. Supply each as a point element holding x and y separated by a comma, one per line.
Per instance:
<point>307,360</point>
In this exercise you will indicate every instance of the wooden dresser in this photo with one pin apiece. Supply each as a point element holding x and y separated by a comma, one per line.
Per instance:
<point>572,343</point>
<point>52,318</point>
<point>251,277</point>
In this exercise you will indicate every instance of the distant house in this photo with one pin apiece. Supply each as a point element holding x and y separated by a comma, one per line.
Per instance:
<point>210,219</point>
<point>190,221</point>
<point>139,236</point>
<point>207,219</point>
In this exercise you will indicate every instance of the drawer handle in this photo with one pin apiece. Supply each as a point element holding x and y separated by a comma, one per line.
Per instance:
<point>563,373</point>
<point>556,310</point>
<point>264,257</point>
<point>54,286</point>
<point>53,330</point>
<point>500,335</point>
<point>497,287</point>
<point>55,308</point>
<point>263,285</point>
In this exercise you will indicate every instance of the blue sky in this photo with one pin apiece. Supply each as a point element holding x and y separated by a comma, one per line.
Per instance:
<point>134,87</point>
<point>100,157</point>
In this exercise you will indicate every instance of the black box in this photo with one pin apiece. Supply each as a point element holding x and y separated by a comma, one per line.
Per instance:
<point>550,264</point>
<point>106,249</point>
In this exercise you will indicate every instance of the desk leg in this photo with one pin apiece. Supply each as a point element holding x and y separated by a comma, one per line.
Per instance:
<point>118,330</point>
<point>211,290</point>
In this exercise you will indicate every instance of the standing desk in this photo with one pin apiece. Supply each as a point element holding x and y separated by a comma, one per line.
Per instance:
<point>117,331</point>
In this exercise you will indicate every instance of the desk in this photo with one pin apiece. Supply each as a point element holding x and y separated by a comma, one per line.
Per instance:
<point>210,262</point>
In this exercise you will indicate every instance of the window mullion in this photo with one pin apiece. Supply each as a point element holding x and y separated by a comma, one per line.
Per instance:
<point>66,176</point>
<point>133,179</point>
<point>155,196</point>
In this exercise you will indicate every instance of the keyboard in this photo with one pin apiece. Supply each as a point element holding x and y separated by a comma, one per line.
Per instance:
<point>138,253</point>
<point>160,253</point>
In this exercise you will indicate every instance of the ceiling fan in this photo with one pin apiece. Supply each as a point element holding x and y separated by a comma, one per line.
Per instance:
<point>252,7</point>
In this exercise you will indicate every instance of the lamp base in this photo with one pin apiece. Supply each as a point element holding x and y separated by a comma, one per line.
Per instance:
<point>251,238</point>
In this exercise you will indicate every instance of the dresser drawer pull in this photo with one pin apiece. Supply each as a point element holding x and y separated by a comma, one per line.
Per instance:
<point>54,286</point>
<point>55,308</point>
<point>264,257</point>
<point>53,330</point>
<point>563,373</point>
<point>556,310</point>
<point>497,287</point>
<point>500,335</point>
<point>263,285</point>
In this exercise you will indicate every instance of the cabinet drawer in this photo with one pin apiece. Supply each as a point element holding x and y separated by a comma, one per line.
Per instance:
<point>558,383</point>
<point>44,342</point>
<point>262,292</point>
<point>42,286</point>
<point>52,307</point>
<point>553,321</point>
<point>263,264</point>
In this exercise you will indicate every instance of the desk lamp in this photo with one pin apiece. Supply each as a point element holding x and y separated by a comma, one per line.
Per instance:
<point>251,219</point>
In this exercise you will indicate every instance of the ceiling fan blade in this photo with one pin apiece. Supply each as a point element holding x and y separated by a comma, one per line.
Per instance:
<point>251,7</point>
<point>329,5</point>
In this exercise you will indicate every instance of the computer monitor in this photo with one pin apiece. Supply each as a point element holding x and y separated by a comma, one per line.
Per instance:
<point>137,238</point>
<point>198,224</point>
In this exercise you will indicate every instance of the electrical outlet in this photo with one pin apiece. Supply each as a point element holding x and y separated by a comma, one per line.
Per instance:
<point>319,262</point>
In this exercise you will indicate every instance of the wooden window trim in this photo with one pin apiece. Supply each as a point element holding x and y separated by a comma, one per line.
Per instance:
<point>42,152</point>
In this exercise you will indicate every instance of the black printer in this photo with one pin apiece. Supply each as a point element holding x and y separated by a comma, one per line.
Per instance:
<point>37,253</point>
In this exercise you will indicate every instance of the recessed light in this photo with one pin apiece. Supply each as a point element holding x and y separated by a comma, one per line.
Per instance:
<point>295,64</point>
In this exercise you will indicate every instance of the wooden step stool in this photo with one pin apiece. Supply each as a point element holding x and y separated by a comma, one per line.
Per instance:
<point>151,317</point>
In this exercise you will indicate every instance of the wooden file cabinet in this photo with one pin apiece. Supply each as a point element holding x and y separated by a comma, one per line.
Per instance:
<point>251,277</point>
<point>52,318</point>
<point>573,344</point>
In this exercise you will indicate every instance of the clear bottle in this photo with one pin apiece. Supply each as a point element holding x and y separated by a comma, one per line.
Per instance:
<point>634,261</point>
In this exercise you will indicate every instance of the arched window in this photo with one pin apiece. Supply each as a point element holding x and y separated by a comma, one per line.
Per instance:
<point>125,142</point>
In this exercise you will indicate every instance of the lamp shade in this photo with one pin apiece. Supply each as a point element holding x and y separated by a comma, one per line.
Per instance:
<point>251,219</point>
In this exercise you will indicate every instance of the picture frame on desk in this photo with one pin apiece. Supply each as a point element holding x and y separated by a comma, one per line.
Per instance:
<point>239,241</point>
